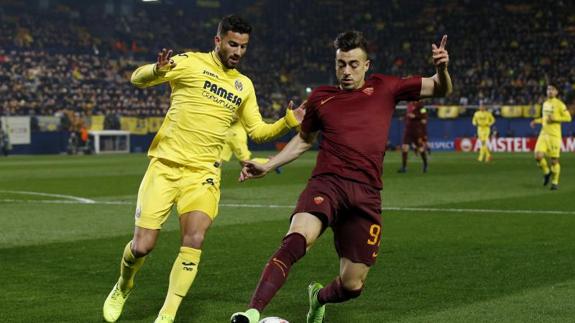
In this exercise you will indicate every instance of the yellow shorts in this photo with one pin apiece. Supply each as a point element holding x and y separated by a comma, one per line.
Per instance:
<point>549,145</point>
<point>483,134</point>
<point>236,143</point>
<point>167,183</point>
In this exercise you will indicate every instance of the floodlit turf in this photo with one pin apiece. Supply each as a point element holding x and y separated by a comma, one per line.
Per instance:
<point>444,258</point>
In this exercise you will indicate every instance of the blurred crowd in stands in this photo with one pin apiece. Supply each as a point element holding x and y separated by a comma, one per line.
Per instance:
<point>76,57</point>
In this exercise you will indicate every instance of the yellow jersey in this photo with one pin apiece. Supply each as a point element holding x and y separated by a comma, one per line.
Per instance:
<point>204,98</point>
<point>553,113</point>
<point>483,119</point>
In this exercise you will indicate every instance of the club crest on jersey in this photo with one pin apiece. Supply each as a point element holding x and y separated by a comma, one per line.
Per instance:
<point>368,90</point>
<point>318,200</point>
<point>239,86</point>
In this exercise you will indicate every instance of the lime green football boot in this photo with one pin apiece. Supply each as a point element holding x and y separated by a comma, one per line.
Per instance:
<point>250,316</point>
<point>316,311</point>
<point>114,304</point>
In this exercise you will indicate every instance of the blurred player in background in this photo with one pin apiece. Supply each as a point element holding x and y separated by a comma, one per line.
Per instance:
<point>4,141</point>
<point>207,91</point>
<point>414,134</point>
<point>550,138</point>
<point>344,190</point>
<point>483,120</point>
<point>237,145</point>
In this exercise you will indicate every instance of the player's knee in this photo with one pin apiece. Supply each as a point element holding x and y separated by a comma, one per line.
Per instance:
<point>140,249</point>
<point>352,284</point>
<point>307,225</point>
<point>194,240</point>
<point>554,161</point>
<point>309,237</point>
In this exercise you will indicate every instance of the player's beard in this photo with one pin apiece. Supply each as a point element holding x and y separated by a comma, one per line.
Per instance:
<point>233,61</point>
<point>225,59</point>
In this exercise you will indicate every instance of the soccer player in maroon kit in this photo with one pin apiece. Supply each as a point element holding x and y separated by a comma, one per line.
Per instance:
<point>344,189</point>
<point>414,134</point>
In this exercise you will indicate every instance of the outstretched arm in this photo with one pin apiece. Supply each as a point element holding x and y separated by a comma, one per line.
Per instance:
<point>438,85</point>
<point>154,74</point>
<point>260,131</point>
<point>299,144</point>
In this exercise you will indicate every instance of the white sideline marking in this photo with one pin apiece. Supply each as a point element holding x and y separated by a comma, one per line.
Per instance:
<point>67,197</point>
<point>66,202</point>
<point>80,200</point>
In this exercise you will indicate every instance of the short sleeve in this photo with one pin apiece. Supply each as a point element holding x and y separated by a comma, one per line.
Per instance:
<point>310,121</point>
<point>407,89</point>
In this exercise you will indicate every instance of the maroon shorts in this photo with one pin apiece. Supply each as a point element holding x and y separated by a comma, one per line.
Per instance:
<point>416,138</point>
<point>351,209</point>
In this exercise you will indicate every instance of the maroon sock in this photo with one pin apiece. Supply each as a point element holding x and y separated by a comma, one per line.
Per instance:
<point>336,293</point>
<point>276,271</point>
<point>403,159</point>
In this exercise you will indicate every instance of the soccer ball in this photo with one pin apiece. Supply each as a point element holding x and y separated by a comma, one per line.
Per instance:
<point>273,319</point>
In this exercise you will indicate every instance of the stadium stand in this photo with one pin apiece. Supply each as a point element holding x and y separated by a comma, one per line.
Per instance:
<point>59,57</point>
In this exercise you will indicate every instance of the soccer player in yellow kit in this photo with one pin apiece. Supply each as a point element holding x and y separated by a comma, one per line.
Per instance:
<point>549,141</point>
<point>483,120</point>
<point>236,144</point>
<point>207,91</point>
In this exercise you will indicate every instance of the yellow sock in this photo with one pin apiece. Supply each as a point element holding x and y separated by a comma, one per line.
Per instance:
<point>487,153</point>
<point>543,165</point>
<point>182,276</point>
<point>482,150</point>
<point>128,268</point>
<point>555,170</point>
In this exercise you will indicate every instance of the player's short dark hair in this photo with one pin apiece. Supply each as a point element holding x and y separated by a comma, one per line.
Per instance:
<point>554,85</point>
<point>234,23</point>
<point>349,40</point>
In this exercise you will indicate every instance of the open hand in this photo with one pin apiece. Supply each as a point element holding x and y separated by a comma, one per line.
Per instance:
<point>440,54</point>
<point>165,63</point>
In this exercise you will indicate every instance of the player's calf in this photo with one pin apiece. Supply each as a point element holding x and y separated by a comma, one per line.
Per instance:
<point>546,178</point>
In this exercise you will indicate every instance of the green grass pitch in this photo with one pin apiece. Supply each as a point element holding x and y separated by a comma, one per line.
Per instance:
<point>467,242</point>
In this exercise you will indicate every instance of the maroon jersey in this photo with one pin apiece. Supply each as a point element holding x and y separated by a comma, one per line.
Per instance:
<point>415,132</point>
<point>355,125</point>
<point>415,118</point>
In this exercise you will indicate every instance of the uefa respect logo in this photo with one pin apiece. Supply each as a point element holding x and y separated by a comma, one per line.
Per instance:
<point>466,145</point>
